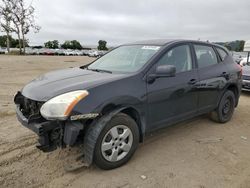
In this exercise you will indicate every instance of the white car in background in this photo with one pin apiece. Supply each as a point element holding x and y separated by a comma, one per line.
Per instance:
<point>102,52</point>
<point>3,51</point>
<point>244,62</point>
<point>78,52</point>
<point>93,53</point>
<point>69,52</point>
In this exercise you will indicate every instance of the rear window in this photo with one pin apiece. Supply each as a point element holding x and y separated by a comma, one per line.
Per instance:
<point>223,53</point>
<point>206,55</point>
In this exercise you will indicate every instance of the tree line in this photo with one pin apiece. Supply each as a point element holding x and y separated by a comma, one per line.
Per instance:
<point>54,44</point>
<point>13,43</point>
<point>237,45</point>
<point>73,44</point>
<point>18,18</point>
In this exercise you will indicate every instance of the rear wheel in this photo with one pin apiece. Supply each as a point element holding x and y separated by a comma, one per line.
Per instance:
<point>117,142</point>
<point>225,109</point>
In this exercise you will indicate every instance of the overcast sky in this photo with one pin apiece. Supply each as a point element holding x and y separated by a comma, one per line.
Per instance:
<point>121,21</point>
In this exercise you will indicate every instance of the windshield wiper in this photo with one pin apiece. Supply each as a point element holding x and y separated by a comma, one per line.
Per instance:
<point>100,70</point>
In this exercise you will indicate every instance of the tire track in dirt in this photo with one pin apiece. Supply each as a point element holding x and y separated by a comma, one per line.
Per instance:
<point>9,147</point>
<point>16,155</point>
<point>26,165</point>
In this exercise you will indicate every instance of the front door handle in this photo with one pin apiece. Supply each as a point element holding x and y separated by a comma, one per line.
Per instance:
<point>192,81</point>
<point>225,75</point>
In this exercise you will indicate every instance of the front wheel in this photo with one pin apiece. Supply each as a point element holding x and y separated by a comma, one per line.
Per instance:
<point>225,109</point>
<point>116,142</point>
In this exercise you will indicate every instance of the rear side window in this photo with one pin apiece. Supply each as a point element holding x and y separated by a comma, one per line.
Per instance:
<point>180,57</point>
<point>206,55</point>
<point>223,53</point>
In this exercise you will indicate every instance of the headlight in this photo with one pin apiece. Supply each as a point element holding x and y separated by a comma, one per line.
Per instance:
<point>61,106</point>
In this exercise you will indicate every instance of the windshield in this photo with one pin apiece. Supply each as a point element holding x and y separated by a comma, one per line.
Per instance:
<point>125,58</point>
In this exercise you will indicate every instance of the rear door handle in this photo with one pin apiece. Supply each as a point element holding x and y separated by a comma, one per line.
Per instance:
<point>192,81</point>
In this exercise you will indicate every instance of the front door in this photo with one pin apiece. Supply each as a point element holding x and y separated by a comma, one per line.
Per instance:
<point>172,99</point>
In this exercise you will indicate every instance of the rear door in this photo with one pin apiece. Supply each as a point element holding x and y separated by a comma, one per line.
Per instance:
<point>213,76</point>
<point>172,99</point>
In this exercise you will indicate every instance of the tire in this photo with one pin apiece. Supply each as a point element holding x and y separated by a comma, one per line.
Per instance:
<point>114,142</point>
<point>225,109</point>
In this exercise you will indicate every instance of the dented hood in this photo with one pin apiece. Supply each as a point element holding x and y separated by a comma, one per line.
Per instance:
<point>58,82</point>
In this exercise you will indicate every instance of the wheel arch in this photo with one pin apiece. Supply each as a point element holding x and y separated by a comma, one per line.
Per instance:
<point>236,91</point>
<point>134,114</point>
<point>108,112</point>
<point>130,111</point>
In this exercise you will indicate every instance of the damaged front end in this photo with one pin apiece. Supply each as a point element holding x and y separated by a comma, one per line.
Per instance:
<point>51,133</point>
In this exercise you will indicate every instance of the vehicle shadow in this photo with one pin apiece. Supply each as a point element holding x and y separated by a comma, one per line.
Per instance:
<point>181,150</point>
<point>245,93</point>
<point>190,130</point>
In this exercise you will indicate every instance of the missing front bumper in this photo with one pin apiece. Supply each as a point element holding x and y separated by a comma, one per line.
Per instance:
<point>49,132</point>
<point>52,134</point>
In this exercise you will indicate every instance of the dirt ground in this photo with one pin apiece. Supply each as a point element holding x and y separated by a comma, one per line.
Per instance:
<point>198,153</point>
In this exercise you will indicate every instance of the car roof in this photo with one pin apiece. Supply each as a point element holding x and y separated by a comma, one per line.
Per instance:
<point>163,42</point>
<point>159,42</point>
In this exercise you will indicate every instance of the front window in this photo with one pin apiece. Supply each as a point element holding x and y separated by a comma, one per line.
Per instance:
<point>125,58</point>
<point>180,57</point>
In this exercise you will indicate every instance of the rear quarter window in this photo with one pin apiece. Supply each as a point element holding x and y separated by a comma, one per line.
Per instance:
<point>223,53</point>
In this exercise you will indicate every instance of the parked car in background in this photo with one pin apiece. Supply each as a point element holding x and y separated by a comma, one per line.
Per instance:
<point>57,52</point>
<point>110,104</point>
<point>69,52</point>
<point>34,52</point>
<point>101,52</point>
<point>28,51</point>
<point>85,52</point>
<point>237,57</point>
<point>93,53</point>
<point>42,51</point>
<point>3,51</point>
<point>244,62</point>
<point>246,77</point>
<point>49,52</point>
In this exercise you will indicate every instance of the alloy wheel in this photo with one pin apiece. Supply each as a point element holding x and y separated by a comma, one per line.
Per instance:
<point>117,143</point>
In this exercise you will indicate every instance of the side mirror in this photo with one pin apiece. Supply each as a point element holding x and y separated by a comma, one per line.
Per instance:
<point>162,71</point>
<point>165,71</point>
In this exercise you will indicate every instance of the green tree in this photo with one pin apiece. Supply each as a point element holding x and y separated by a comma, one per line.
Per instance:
<point>14,43</point>
<point>5,21</point>
<point>228,46</point>
<point>74,44</point>
<point>20,19</point>
<point>241,45</point>
<point>66,45</point>
<point>102,45</point>
<point>52,44</point>
<point>3,40</point>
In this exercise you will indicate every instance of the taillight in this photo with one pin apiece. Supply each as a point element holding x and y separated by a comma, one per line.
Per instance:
<point>240,73</point>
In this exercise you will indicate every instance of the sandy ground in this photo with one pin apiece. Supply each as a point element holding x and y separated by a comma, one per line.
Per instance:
<point>198,153</point>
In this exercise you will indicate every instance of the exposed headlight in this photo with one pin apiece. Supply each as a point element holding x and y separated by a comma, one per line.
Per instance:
<point>59,107</point>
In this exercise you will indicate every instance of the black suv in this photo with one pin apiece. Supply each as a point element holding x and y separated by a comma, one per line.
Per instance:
<point>110,104</point>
